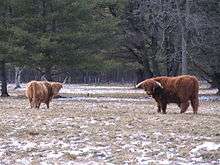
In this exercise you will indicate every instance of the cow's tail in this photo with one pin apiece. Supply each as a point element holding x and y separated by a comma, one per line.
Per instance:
<point>139,85</point>
<point>195,96</point>
<point>196,86</point>
<point>30,91</point>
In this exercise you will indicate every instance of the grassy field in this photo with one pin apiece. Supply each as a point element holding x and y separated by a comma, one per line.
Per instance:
<point>108,125</point>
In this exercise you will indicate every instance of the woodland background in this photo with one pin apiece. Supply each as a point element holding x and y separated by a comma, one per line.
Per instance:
<point>108,41</point>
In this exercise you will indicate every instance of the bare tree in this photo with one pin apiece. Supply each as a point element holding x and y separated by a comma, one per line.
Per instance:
<point>18,71</point>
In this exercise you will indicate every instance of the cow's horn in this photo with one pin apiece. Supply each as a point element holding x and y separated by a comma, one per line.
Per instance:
<point>159,84</point>
<point>139,85</point>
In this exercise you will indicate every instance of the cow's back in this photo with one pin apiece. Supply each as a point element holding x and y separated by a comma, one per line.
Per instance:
<point>186,86</point>
<point>30,89</point>
<point>183,87</point>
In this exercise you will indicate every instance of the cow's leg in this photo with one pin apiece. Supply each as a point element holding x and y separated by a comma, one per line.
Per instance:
<point>30,101</point>
<point>38,104</point>
<point>35,105</point>
<point>47,103</point>
<point>159,107</point>
<point>195,104</point>
<point>164,107</point>
<point>184,106</point>
<point>32,104</point>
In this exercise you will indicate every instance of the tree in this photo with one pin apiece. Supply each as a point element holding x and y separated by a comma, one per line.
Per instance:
<point>7,48</point>
<point>136,41</point>
<point>63,32</point>
<point>18,71</point>
<point>204,41</point>
<point>149,30</point>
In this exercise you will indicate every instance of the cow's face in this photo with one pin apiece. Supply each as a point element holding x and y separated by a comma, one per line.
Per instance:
<point>56,86</point>
<point>150,86</point>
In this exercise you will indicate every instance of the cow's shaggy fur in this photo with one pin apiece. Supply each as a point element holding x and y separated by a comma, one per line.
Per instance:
<point>179,90</point>
<point>41,92</point>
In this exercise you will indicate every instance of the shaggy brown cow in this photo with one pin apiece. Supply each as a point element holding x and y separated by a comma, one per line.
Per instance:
<point>41,92</point>
<point>179,90</point>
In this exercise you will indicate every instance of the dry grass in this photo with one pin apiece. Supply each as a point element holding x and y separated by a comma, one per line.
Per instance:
<point>96,131</point>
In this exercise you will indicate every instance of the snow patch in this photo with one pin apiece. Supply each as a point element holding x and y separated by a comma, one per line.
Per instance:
<point>24,161</point>
<point>102,99</point>
<point>157,134</point>
<point>209,98</point>
<point>53,155</point>
<point>208,145</point>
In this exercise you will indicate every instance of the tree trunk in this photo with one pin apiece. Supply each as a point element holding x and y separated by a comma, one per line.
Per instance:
<point>172,66</point>
<point>4,80</point>
<point>66,79</point>
<point>18,71</point>
<point>147,70</point>
<point>146,63</point>
<point>48,74</point>
<point>140,75</point>
<point>155,65</point>
<point>175,69</point>
<point>183,25</point>
<point>184,56</point>
<point>44,26</point>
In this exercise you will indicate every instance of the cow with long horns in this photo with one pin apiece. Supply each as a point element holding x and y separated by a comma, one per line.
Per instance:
<point>180,90</point>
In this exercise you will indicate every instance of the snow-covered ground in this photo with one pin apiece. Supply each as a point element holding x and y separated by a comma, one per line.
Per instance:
<point>107,130</point>
<point>85,92</point>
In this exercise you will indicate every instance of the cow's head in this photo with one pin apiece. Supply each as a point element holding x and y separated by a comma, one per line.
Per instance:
<point>151,86</point>
<point>56,86</point>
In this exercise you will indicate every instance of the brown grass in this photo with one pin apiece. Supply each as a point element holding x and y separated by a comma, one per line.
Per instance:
<point>116,132</point>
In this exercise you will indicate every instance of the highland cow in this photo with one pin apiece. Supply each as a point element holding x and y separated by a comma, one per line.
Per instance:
<point>179,90</point>
<point>41,92</point>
